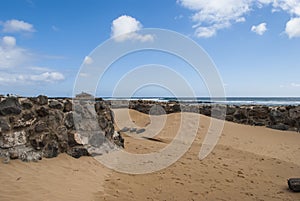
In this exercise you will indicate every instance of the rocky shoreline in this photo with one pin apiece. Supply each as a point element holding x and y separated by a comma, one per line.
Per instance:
<point>37,127</point>
<point>275,117</point>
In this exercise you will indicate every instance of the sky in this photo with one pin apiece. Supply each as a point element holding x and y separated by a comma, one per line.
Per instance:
<point>254,45</point>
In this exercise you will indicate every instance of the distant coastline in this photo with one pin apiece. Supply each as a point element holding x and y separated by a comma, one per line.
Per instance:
<point>266,101</point>
<point>238,101</point>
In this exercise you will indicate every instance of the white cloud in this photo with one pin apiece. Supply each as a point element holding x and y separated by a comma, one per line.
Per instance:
<point>84,74</point>
<point>125,28</point>
<point>12,26</point>
<point>47,77</point>
<point>292,28</point>
<point>290,6</point>
<point>39,69</point>
<point>205,32</point>
<point>14,61</point>
<point>259,29</point>
<point>211,16</point>
<point>88,60</point>
<point>214,15</point>
<point>21,78</point>
<point>11,55</point>
<point>241,19</point>
<point>8,41</point>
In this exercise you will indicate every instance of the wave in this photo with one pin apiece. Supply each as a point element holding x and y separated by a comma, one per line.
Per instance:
<point>268,101</point>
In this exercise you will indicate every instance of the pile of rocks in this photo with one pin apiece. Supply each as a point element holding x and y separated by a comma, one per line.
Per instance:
<point>32,128</point>
<point>276,117</point>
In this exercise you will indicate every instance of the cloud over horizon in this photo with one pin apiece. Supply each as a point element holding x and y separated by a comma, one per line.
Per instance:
<point>126,27</point>
<point>15,65</point>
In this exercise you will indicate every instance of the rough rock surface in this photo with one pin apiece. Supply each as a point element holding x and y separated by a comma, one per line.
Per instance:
<point>33,128</point>
<point>276,117</point>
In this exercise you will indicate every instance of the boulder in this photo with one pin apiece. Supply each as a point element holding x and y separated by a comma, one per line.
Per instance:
<point>259,112</point>
<point>27,116</point>
<point>18,122</point>
<point>240,115</point>
<point>26,104</point>
<point>78,151</point>
<point>295,113</point>
<point>42,112</point>
<point>230,110</point>
<point>279,126</point>
<point>141,130</point>
<point>118,140</point>
<point>69,121</point>
<point>55,105</point>
<point>4,125</point>
<point>54,119</point>
<point>68,106</point>
<point>9,106</point>
<point>125,129</point>
<point>51,149</point>
<point>42,100</point>
<point>38,140</point>
<point>102,122</point>
<point>12,139</point>
<point>62,137</point>
<point>41,127</point>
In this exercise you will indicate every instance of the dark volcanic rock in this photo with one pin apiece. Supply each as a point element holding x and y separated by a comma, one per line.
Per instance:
<point>51,149</point>
<point>56,105</point>
<point>26,105</point>
<point>279,126</point>
<point>12,139</point>
<point>102,122</point>
<point>38,140</point>
<point>99,106</point>
<point>259,112</point>
<point>69,121</point>
<point>295,113</point>
<point>62,136</point>
<point>132,130</point>
<point>230,110</point>
<point>42,112</point>
<point>10,105</point>
<point>42,100</point>
<point>68,106</point>
<point>118,140</point>
<point>240,115</point>
<point>17,123</point>
<point>55,119</point>
<point>4,125</point>
<point>41,127</point>
<point>27,116</point>
<point>71,140</point>
<point>78,151</point>
<point>141,130</point>
<point>125,129</point>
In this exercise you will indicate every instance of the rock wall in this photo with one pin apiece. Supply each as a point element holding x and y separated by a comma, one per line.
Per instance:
<point>276,117</point>
<point>33,128</point>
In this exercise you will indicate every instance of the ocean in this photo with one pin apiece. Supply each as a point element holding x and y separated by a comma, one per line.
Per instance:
<point>268,101</point>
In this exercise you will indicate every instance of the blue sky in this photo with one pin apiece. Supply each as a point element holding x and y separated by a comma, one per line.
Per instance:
<point>255,45</point>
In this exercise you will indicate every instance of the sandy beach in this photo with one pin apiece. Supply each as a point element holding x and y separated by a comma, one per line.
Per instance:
<point>248,163</point>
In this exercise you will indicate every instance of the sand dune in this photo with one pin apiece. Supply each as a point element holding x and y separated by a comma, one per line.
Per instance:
<point>249,163</point>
